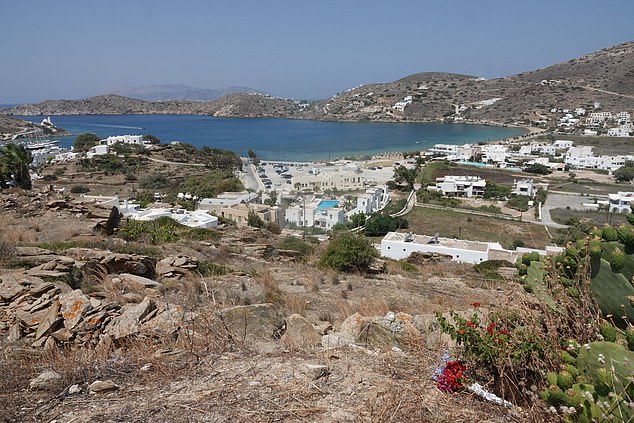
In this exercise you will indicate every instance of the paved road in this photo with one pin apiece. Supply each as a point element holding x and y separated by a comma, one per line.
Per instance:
<point>249,177</point>
<point>561,201</point>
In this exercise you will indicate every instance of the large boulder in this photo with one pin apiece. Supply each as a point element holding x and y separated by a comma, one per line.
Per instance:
<point>46,381</point>
<point>300,332</point>
<point>129,322</point>
<point>74,307</point>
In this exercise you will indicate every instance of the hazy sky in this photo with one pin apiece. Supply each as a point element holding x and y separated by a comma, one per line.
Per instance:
<point>289,48</point>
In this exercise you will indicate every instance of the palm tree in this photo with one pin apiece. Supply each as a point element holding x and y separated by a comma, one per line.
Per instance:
<point>14,164</point>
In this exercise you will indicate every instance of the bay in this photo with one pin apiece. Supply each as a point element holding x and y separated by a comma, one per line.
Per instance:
<point>282,139</point>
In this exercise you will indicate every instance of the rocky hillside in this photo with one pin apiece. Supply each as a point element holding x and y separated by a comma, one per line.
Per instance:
<point>232,105</point>
<point>180,92</point>
<point>606,76</point>
<point>232,328</point>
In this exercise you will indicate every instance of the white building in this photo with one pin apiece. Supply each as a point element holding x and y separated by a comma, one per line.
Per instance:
<point>335,179</point>
<point>193,219</point>
<point>619,131</point>
<point>454,152</point>
<point>460,186</point>
<point>495,153</point>
<point>399,246</point>
<point>124,139</point>
<point>226,199</point>
<point>620,202</point>
<point>97,150</point>
<point>372,201</point>
<point>524,187</point>
<point>316,213</point>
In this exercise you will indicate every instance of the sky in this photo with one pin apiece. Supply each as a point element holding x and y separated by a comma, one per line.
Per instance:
<point>299,49</point>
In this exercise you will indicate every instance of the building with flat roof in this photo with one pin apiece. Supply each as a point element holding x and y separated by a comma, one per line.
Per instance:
<point>331,179</point>
<point>226,199</point>
<point>398,246</point>
<point>460,186</point>
<point>239,213</point>
<point>621,202</point>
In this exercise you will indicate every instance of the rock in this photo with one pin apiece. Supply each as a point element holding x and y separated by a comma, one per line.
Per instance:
<point>10,287</point>
<point>128,322</point>
<point>333,340</point>
<point>129,263</point>
<point>351,327</point>
<point>324,327</point>
<point>99,386</point>
<point>51,321</point>
<point>46,381</point>
<point>376,335</point>
<point>32,251</point>
<point>74,306</point>
<point>167,321</point>
<point>74,389</point>
<point>315,371</point>
<point>256,322</point>
<point>300,332</point>
<point>50,344</point>
<point>15,333</point>
<point>377,266</point>
<point>136,282</point>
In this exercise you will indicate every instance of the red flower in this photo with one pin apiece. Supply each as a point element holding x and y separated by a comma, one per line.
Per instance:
<point>490,328</point>
<point>461,331</point>
<point>452,377</point>
<point>470,324</point>
<point>475,304</point>
<point>504,332</point>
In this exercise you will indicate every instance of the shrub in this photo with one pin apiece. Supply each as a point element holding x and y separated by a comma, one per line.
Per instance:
<point>154,181</point>
<point>202,234</point>
<point>163,229</point>
<point>254,220</point>
<point>295,244</point>
<point>609,234</point>
<point>348,252</point>
<point>79,189</point>
<point>381,224</point>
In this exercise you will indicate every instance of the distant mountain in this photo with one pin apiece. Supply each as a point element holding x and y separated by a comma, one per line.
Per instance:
<point>604,78</point>
<point>180,92</point>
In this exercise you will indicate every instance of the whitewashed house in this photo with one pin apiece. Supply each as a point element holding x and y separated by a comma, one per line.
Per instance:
<point>620,202</point>
<point>460,186</point>
<point>372,201</point>
<point>399,246</point>
<point>524,187</point>
<point>124,139</point>
<point>97,150</point>
<point>494,153</point>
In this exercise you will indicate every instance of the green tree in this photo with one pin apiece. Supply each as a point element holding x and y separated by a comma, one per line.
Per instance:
<point>85,142</point>
<point>625,173</point>
<point>348,252</point>
<point>496,191</point>
<point>381,224</point>
<point>538,169</point>
<point>403,175</point>
<point>254,220</point>
<point>14,164</point>
<point>357,219</point>
<point>617,260</point>
<point>272,200</point>
<point>518,202</point>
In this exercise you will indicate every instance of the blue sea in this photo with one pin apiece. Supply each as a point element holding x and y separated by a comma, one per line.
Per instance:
<point>281,139</point>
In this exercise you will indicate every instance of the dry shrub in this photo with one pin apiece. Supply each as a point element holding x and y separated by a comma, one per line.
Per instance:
<point>272,292</point>
<point>295,303</point>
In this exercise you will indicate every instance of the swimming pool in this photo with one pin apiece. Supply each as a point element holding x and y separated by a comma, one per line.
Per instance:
<point>327,204</point>
<point>478,164</point>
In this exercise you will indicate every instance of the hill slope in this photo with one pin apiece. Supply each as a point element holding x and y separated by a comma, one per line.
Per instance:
<point>180,92</point>
<point>606,76</point>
